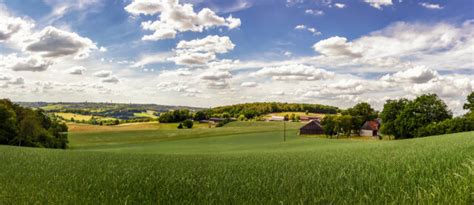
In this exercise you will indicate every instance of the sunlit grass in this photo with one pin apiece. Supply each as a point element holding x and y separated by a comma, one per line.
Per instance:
<point>240,163</point>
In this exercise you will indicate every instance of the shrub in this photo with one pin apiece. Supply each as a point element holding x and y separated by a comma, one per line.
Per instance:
<point>188,123</point>
<point>222,123</point>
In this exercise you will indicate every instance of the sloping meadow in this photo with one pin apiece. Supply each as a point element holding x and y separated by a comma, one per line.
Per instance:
<point>426,170</point>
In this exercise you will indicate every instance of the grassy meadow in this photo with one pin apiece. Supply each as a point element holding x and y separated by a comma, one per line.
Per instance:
<point>242,162</point>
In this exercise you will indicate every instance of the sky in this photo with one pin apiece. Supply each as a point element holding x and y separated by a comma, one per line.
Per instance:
<point>211,52</point>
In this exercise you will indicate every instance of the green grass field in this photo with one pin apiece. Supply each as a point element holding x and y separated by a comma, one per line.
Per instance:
<point>241,163</point>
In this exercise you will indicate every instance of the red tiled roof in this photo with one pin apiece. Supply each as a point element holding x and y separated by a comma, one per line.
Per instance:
<point>371,125</point>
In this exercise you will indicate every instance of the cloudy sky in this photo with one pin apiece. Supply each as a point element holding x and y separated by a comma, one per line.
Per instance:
<point>212,52</point>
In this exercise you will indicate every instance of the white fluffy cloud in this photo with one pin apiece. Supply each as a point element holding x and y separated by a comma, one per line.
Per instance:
<point>103,74</point>
<point>431,6</point>
<point>10,26</point>
<point>314,31</point>
<point>340,5</point>
<point>294,72</point>
<point>213,44</point>
<point>53,42</point>
<point>452,86</point>
<point>30,63</point>
<point>249,84</point>
<point>201,51</point>
<point>336,47</point>
<point>175,17</point>
<point>379,3</point>
<point>439,45</point>
<point>77,70</point>
<point>152,58</point>
<point>314,12</point>
<point>216,75</point>
<point>419,74</point>
<point>300,27</point>
<point>110,79</point>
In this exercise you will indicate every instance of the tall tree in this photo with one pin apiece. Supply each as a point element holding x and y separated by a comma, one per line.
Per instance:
<point>420,112</point>
<point>8,126</point>
<point>360,113</point>
<point>329,125</point>
<point>389,114</point>
<point>469,105</point>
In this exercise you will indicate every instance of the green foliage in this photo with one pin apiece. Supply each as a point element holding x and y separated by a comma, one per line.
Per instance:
<point>222,123</point>
<point>337,125</point>
<point>180,126</point>
<point>200,115</point>
<point>402,118</point>
<point>469,105</point>
<point>420,112</point>
<point>188,123</point>
<point>252,110</point>
<point>297,118</point>
<point>174,116</point>
<point>360,113</point>
<point>455,125</point>
<point>27,127</point>
<point>8,124</point>
<point>293,117</point>
<point>241,118</point>
<point>329,125</point>
<point>391,110</point>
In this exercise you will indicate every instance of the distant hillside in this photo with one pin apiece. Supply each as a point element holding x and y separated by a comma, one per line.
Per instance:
<point>61,106</point>
<point>250,110</point>
<point>112,110</point>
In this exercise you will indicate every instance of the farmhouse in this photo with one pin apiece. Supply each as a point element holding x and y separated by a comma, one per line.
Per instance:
<point>312,128</point>
<point>370,128</point>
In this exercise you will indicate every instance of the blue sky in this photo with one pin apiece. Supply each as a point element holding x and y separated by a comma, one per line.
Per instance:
<point>207,53</point>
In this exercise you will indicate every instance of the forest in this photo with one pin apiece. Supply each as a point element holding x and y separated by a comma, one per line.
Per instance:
<point>22,126</point>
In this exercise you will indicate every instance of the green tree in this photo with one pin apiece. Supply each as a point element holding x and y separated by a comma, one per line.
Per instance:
<point>361,113</point>
<point>469,105</point>
<point>180,126</point>
<point>292,117</point>
<point>329,125</point>
<point>297,118</point>
<point>345,124</point>
<point>391,110</point>
<point>29,131</point>
<point>27,127</point>
<point>188,123</point>
<point>200,115</point>
<point>8,125</point>
<point>286,117</point>
<point>420,112</point>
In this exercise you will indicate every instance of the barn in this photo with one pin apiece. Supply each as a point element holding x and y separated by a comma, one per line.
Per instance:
<point>312,128</point>
<point>370,128</point>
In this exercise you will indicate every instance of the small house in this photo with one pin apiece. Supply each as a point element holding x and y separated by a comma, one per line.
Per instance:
<point>312,128</point>
<point>370,128</point>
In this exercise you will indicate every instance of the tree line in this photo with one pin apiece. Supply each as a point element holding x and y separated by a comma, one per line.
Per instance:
<point>350,121</point>
<point>32,128</point>
<point>252,110</point>
<point>244,111</point>
<point>426,115</point>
